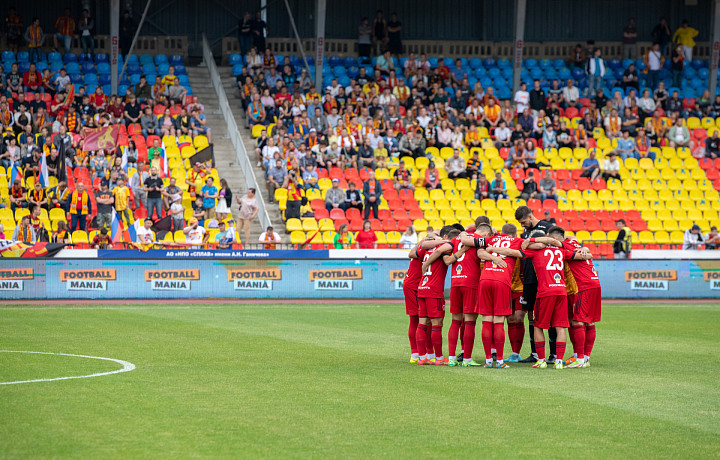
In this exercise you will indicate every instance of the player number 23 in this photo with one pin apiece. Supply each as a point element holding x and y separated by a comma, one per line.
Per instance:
<point>554,264</point>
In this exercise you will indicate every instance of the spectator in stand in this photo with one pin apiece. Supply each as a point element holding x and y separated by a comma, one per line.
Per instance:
<point>578,57</point>
<point>169,193</point>
<point>678,64</point>
<point>570,95</point>
<point>498,187</point>
<point>105,202</point>
<point>373,194</point>
<point>409,238</point>
<point>629,40</point>
<point>102,240</point>
<point>24,232</point>
<point>225,236</point>
<point>712,146</point>
<point>34,37</point>
<point>432,177</point>
<point>256,112</point>
<point>596,71</point>
<point>550,138</point>
<point>611,168</point>
<point>643,145</point>
<point>590,166</point>
<point>145,234</point>
<point>80,207</point>
<point>199,125</point>
<point>61,235</point>
<point>366,155</point>
<point>335,196</point>
<point>32,80</point>
<point>630,78</point>
<point>177,213</point>
<point>474,166</point>
<point>412,145</point>
<point>364,40</point>
<point>613,124</point>
<point>626,146</point>
<point>196,234</point>
<point>259,31</point>
<point>198,210</point>
<point>270,238</point>
<point>549,219</point>
<point>654,62</point>
<point>366,238</point>
<point>137,182</point>
<point>65,27</point>
<point>85,26</point>
<point>224,201</point>
<point>209,193</point>
<point>353,198</point>
<point>13,30</point>
<point>249,209</point>
<point>310,178</point>
<point>127,32</point>
<point>343,239</point>
<point>149,123</point>
<point>455,166</point>
<point>153,186</point>
<point>537,98</point>
<point>548,187</point>
<point>482,188</point>
<point>661,35</point>
<point>530,188</point>
<point>294,195</point>
<point>679,136</point>
<point>522,99</point>
<point>121,194</point>
<point>37,197</point>
<point>693,238</point>
<point>646,106</point>
<point>712,239</point>
<point>132,110</point>
<point>394,42</point>
<point>59,195</point>
<point>275,178</point>
<point>684,36</point>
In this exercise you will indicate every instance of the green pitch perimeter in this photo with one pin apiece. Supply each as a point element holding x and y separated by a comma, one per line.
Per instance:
<point>287,380</point>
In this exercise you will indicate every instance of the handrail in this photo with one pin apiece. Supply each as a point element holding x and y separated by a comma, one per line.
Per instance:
<point>241,154</point>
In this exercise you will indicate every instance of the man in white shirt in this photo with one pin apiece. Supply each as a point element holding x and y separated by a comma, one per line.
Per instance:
<point>270,238</point>
<point>570,95</point>
<point>522,98</point>
<point>145,233</point>
<point>654,63</point>
<point>195,234</point>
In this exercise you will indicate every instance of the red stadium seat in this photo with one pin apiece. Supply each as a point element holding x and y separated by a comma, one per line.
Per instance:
<point>617,215</point>
<point>356,225</point>
<point>353,214</point>
<point>598,184</point>
<point>584,101</point>
<point>575,174</point>
<point>706,163</point>
<point>384,214</point>
<point>586,214</point>
<point>607,225</point>
<point>365,173</point>
<point>411,205</point>
<point>321,213</point>
<point>504,152</point>
<point>712,174</point>
<point>583,183</point>
<point>391,194</point>
<point>572,112</point>
<point>394,204</point>
<point>390,225</point>
<point>406,194</point>
<point>518,174</point>
<point>591,225</point>
<point>602,214</point>
<point>562,174</point>
<point>415,214</point>
<point>339,222</point>
<point>549,204</point>
<point>376,224</point>
<point>399,213</point>
<point>570,214</point>
<point>337,213</point>
<point>335,173</point>
<point>317,204</point>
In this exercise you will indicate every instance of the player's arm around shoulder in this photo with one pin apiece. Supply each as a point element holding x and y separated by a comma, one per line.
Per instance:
<point>485,255</point>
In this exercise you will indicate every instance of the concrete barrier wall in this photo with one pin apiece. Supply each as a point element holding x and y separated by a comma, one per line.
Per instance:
<point>303,278</point>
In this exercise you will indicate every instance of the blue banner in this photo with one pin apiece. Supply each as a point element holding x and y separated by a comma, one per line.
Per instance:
<point>297,278</point>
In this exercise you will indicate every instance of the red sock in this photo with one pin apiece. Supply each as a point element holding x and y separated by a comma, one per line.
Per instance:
<point>589,338</point>
<point>428,339</point>
<point>487,338</point>
<point>462,333</point>
<point>577,335</point>
<point>540,349</point>
<point>571,334</point>
<point>468,339</point>
<point>412,333</point>
<point>453,336</point>
<point>560,350</point>
<point>499,339</point>
<point>516,333</point>
<point>437,340</point>
<point>420,338</point>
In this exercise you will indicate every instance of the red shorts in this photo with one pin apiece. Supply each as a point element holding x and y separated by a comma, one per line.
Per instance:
<point>463,299</point>
<point>571,304</point>
<point>551,311</point>
<point>494,299</point>
<point>431,307</point>
<point>587,306</point>
<point>411,301</point>
<point>517,304</point>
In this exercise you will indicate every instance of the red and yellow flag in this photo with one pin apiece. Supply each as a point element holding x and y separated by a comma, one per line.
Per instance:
<point>100,138</point>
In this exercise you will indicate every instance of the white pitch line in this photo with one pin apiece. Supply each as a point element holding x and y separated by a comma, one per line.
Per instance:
<point>127,367</point>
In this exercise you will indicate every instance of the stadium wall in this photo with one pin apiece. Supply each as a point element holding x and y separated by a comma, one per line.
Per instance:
<point>265,276</point>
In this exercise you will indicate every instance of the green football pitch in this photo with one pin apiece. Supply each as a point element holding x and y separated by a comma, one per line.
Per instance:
<point>333,380</point>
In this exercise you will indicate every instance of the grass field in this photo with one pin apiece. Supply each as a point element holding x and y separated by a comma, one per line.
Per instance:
<point>302,380</point>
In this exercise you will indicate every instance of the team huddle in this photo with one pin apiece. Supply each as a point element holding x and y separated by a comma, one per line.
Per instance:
<point>544,274</point>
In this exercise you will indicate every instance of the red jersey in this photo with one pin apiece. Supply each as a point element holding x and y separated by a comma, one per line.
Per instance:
<point>466,270</point>
<point>549,268</point>
<point>432,283</point>
<point>414,274</point>
<point>584,271</point>
<point>494,272</point>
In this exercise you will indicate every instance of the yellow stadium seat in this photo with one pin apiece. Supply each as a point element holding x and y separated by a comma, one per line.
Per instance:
<point>655,225</point>
<point>421,193</point>
<point>297,236</point>
<point>257,130</point>
<point>422,163</point>
<point>599,235</point>
<point>293,225</point>
<point>583,235</point>
<point>670,225</point>
<point>326,225</point>
<point>693,123</point>
<point>80,236</point>
<point>431,214</point>
<point>328,237</point>
<point>420,224</point>
<point>646,237</point>
<point>442,204</point>
<point>504,204</point>
<point>662,237</point>
<point>487,203</point>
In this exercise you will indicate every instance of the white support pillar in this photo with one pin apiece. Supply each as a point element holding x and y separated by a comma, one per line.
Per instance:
<point>114,43</point>
<point>714,48</point>
<point>320,44</point>
<point>519,43</point>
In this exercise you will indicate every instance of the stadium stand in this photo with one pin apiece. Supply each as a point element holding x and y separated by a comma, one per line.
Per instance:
<point>172,145</point>
<point>663,183</point>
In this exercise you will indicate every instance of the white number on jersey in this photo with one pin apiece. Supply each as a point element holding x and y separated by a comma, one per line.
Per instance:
<point>554,264</point>
<point>503,244</point>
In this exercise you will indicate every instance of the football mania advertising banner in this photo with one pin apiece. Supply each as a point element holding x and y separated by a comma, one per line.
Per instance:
<point>39,278</point>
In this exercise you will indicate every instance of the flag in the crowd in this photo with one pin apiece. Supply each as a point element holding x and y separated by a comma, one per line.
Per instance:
<point>118,232</point>
<point>14,173</point>
<point>124,161</point>
<point>44,174</point>
<point>132,230</point>
<point>10,248</point>
<point>104,138</point>
<point>183,144</point>
<point>164,160</point>
<point>70,93</point>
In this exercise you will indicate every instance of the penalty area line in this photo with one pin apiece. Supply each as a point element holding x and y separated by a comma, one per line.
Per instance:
<point>126,367</point>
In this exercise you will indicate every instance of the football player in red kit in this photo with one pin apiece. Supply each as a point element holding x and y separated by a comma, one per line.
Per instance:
<point>495,295</point>
<point>410,290</point>
<point>431,303</point>
<point>548,255</point>
<point>587,306</point>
